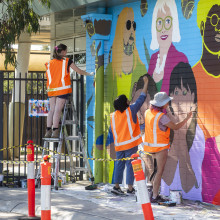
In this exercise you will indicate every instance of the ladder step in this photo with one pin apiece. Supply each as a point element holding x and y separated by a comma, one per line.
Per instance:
<point>69,122</point>
<point>72,138</point>
<point>52,139</point>
<point>81,169</point>
<point>76,153</point>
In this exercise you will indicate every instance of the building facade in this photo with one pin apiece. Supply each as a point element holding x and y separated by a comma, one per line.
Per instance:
<point>178,44</point>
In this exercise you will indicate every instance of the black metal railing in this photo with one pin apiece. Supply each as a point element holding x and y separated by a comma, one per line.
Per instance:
<point>17,127</point>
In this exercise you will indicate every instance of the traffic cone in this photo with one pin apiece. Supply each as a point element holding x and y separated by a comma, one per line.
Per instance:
<point>142,188</point>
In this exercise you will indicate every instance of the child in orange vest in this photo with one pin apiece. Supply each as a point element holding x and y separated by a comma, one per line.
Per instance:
<point>59,86</point>
<point>125,130</point>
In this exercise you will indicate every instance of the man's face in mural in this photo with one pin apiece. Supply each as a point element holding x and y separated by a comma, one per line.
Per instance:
<point>182,103</point>
<point>212,29</point>
<point>129,34</point>
<point>164,27</point>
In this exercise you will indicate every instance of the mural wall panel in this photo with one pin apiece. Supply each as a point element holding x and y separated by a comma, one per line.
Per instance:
<point>177,43</point>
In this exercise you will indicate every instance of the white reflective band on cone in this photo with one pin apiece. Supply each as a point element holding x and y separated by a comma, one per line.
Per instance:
<point>45,197</point>
<point>30,171</point>
<point>142,192</point>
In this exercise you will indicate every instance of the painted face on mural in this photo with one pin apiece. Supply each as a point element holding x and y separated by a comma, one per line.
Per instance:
<point>129,34</point>
<point>183,102</point>
<point>164,27</point>
<point>212,29</point>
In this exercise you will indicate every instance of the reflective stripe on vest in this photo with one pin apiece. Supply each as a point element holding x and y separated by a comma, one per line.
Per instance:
<point>59,88</point>
<point>63,72</point>
<point>130,131</point>
<point>48,73</point>
<point>155,144</point>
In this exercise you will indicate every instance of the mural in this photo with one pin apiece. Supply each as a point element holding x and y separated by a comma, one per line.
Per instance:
<point>178,41</point>
<point>183,90</point>
<point>165,30</point>
<point>207,75</point>
<point>124,70</point>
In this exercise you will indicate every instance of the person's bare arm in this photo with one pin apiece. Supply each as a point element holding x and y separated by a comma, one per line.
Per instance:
<point>176,126</point>
<point>80,71</point>
<point>145,84</point>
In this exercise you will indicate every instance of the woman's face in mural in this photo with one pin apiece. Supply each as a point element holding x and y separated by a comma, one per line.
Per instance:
<point>164,27</point>
<point>212,29</point>
<point>182,103</point>
<point>129,32</point>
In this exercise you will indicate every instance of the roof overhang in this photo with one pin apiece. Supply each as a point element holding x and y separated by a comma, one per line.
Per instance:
<point>61,5</point>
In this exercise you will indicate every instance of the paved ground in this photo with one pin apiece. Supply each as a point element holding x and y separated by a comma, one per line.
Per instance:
<point>73,202</point>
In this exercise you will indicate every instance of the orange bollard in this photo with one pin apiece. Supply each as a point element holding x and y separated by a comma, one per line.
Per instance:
<point>142,188</point>
<point>45,188</point>
<point>30,179</point>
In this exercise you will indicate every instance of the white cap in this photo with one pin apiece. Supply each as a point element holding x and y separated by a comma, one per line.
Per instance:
<point>160,99</point>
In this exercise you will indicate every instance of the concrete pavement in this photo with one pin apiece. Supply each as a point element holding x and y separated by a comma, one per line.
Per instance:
<point>62,206</point>
<point>73,202</point>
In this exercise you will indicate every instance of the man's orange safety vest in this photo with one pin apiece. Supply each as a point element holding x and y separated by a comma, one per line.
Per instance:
<point>126,133</point>
<point>155,139</point>
<point>58,79</point>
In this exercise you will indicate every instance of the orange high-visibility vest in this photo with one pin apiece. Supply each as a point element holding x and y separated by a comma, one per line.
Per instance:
<point>126,133</point>
<point>155,140</point>
<point>58,79</point>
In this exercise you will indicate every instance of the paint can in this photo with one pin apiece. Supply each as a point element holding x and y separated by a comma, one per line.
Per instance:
<point>150,189</point>
<point>63,180</point>
<point>176,196</point>
<point>60,182</point>
<point>24,183</point>
<point>1,179</point>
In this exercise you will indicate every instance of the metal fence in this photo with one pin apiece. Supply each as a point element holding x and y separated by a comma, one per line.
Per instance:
<point>17,127</point>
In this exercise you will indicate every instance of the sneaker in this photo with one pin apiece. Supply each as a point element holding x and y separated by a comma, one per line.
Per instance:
<point>56,133</point>
<point>132,192</point>
<point>117,191</point>
<point>158,199</point>
<point>48,133</point>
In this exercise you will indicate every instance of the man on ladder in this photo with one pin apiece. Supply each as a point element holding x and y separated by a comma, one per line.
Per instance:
<point>59,89</point>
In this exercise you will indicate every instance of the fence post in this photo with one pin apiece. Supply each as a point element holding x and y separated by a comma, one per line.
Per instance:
<point>30,179</point>
<point>142,188</point>
<point>45,188</point>
<point>1,117</point>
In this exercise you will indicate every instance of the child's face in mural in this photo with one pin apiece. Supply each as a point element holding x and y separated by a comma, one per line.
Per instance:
<point>183,102</point>
<point>164,27</point>
<point>212,29</point>
<point>129,31</point>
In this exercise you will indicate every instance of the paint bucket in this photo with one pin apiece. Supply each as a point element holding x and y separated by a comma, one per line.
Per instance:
<point>67,178</point>
<point>150,189</point>
<point>24,184</point>
<point>63,180</point>
<point>59,182</point>
<point>1,179</point>
<point>176,196</point>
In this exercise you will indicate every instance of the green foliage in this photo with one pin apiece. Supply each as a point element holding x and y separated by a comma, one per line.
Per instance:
<point>15,17</point>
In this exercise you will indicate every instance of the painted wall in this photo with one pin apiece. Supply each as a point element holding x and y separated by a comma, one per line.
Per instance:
<point>178,45</point>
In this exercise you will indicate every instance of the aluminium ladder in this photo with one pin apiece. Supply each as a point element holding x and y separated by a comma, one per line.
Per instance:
<point>69,110</point>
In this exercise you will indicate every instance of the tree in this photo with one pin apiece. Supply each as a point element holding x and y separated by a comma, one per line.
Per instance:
<point>16,16</point>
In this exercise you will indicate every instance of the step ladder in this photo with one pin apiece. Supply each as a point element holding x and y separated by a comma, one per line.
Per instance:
<point>69,119</point>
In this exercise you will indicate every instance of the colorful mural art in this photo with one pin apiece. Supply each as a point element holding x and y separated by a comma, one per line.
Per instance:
<point>176,43</point>
<point>207,74</point>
